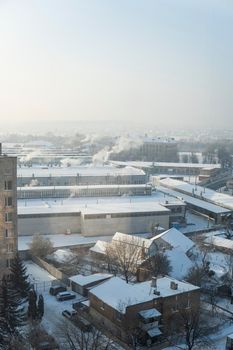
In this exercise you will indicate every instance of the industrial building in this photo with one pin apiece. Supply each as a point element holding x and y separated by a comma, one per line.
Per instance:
<point>8,211</point>
<point>91,216</point>
<point>37,192</point>
<point>79,176</point>
<point>215,205</point>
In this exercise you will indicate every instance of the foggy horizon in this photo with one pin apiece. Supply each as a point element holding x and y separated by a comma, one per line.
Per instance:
<point>159,64</point>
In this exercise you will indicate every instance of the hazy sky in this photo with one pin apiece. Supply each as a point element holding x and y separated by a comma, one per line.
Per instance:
<point>158,61</point>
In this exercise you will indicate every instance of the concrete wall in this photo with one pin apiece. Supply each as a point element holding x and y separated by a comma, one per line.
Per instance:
<point>49,224</point>
<point>59,275</point>
<point>109,225</point>
<point>58,224</point>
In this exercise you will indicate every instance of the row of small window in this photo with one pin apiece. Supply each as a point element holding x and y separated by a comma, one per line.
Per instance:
<point>8,217</point>
<point>8,185</point>
<point>10,248</point>
<point>8,233</point>
<point>8,201</point>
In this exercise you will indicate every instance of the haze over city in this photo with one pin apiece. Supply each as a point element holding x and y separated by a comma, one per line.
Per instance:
<point>159,63</point>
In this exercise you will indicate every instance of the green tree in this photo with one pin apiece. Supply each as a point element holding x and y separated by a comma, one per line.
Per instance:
<point>32,306</point>
<point>10,310</point>
<point>40,306</point>
<point>20,277</point>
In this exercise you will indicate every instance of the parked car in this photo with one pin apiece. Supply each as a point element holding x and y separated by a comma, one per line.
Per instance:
<point>65,296</point>
<point>54,290</point>
<point>69,314</point>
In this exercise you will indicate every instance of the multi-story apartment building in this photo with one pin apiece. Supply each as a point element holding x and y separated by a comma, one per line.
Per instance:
<point>8,211</point>
<point>149,310</point>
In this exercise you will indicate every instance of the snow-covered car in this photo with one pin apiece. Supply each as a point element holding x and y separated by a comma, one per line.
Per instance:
<point>65,296</point>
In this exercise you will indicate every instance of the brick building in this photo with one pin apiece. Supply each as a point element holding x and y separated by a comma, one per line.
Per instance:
<point>8,211</point>
<point>147,310</point>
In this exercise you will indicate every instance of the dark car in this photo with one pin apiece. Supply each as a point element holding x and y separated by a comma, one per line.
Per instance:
<point>69,314</point>
<point>54,290</point>
<point>65,296</point>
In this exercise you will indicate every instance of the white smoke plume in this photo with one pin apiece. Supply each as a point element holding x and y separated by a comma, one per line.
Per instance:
<point>123,143</point>
<point>71,162</point>
<point>30,156</point>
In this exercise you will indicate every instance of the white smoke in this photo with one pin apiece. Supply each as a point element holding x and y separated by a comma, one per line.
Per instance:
<point>33,183</point>
<point>30,156</point>
<point>101,157</point>
<point>123,143</point>
<point>71,162</point>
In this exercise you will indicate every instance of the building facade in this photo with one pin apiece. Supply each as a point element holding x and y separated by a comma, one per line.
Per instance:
<point>8,211</point>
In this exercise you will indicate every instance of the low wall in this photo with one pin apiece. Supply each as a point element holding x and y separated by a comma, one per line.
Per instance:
<point>59,275</point>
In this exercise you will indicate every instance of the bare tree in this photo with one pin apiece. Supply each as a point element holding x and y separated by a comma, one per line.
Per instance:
<point>124,256</point>
<point>40,246</point>
<point>159,264</point>
<point>191,327</point>
<point>37,335</point>
<point>74,338</point>
<point>200,272</point>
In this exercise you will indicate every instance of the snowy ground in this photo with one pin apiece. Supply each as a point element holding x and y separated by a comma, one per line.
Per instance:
<point>62,240</point>
<point>195,223</point>
<point>53,318</point>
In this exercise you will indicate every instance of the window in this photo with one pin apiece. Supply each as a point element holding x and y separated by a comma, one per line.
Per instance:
<point>6,233</point>
<point>8,185</point>
<point>8,262</point>
<point>8,201</point>
<point>10,247</point>
<point>8,217</point>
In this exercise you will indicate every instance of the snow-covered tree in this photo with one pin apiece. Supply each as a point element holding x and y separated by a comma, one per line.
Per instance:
<point>20,277</point>
<point>11,313</point>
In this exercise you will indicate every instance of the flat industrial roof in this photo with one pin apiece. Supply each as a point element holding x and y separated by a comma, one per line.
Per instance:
<point>139,164</point>
<point>194,201</point>
<point>220,199</point>
<point>77,171</point>
<point>92,205</point>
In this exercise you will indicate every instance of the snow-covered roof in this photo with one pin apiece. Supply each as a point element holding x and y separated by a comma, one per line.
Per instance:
<point>89,205</point>
<point>149,313</point>
<point>141,164</point>
<point>179,262</point>
<point>220,242</point>
<point>62,255</point>
<point>154,332</point>
<point>77,171</point>
<point>221,199</point>
<point>176,239</point>
<point>118,294</point>
<point>200,203</point>
<point>62,240</point>
<point>84,280</point>
<point>129,239</point>
<point>99,247</point>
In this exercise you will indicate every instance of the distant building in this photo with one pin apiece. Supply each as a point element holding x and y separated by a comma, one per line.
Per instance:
<point>79,176</point>
<point>151,149</point>
<point>158,149</point>
<point>8,211</point>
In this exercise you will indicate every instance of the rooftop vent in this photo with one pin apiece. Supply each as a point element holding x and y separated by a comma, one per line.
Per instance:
<point>173,285</point>
<point>153,282</point>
